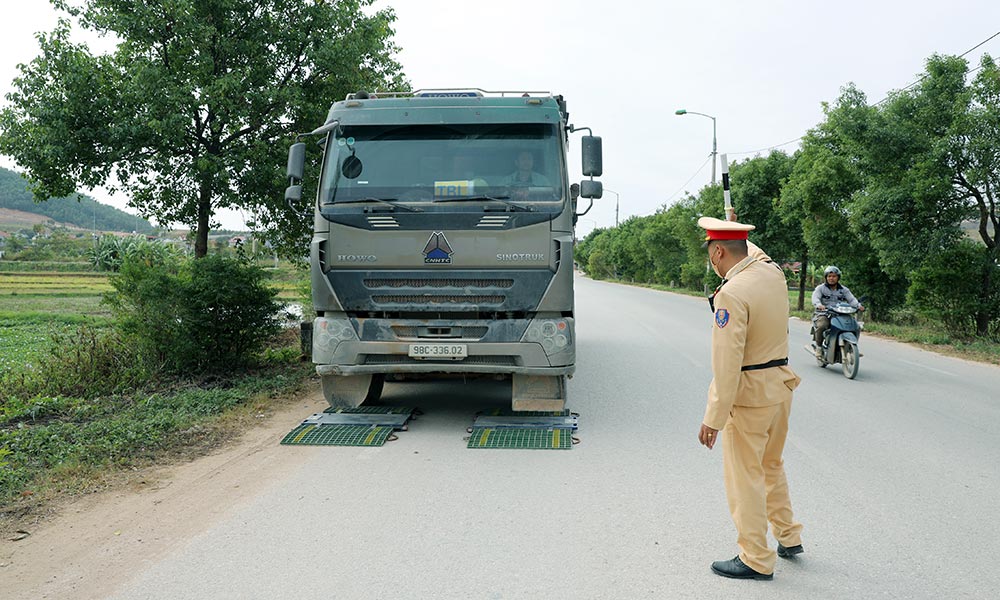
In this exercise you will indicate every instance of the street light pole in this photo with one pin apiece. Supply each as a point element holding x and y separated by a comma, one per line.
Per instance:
<point>616,204</point>
<point>714,148</point>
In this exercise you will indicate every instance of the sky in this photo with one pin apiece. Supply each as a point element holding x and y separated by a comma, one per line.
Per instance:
<point>762,68</point>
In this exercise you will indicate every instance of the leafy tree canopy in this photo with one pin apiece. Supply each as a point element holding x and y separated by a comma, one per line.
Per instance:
<point>194,109</point>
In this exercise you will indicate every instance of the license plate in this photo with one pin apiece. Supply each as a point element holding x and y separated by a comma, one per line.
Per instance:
<point>438,350</point>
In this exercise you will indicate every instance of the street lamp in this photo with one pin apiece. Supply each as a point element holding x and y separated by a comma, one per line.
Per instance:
<point>691,112</point>
<point>616,204</point>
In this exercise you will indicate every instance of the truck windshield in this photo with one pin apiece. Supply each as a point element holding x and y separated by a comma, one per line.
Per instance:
<point>426,163</point>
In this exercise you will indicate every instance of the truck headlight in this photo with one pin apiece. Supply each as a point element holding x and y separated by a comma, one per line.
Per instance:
<point>554,335</point>
<point>327,335</point>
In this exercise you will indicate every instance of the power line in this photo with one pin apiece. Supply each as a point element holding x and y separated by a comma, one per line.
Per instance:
<point>925,75</point>
<point>979,44</point>
<point>681,189</point>
<point>962,55</point>
<point>768,148</point>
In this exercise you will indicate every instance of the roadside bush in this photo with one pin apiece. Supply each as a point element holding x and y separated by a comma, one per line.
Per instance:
<point>81,362</point>
<point>204,315</point>
<point>960,287</point>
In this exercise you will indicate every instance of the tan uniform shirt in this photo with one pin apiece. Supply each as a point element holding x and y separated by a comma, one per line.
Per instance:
<point>750,327</point>
<point>754,251</point>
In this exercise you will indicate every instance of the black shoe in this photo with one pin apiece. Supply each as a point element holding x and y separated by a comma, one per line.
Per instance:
<point>789,552</point>
<point>737,570</point>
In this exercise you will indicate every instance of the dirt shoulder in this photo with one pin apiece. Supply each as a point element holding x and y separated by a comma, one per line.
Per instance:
<point>90,546</point>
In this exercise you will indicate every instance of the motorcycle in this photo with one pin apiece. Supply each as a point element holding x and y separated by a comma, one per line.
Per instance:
<point>840,340</point>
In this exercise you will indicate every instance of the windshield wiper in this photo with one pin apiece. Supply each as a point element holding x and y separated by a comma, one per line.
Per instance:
<point>389,201</point>
<point>505,199</point>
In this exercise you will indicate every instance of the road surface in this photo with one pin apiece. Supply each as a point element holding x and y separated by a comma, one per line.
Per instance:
<point>894,476</point>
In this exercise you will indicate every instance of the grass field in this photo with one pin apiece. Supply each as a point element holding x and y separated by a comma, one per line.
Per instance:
<point>36,303</point>
<point>59,444</point>
<point>36,300</point>
<point>49,283</point>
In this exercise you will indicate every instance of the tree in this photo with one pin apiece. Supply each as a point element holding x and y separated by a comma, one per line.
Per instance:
<point>194,109</point>
<point>947,287</point>
<point>929,161</point>
<point>666,251</point>
<point>757,185</point>
<point>756,190</point>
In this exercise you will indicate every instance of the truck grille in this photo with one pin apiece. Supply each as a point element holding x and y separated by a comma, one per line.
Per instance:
<point>438,283</point>
<point>431,299</point>
<point>400,359</point>
<point>409,331</point>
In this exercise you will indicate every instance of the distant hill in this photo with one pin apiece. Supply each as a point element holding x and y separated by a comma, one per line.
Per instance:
<point>86,213</point>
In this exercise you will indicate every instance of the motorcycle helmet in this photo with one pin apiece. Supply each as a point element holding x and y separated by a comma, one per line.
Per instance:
<point>831,269</point>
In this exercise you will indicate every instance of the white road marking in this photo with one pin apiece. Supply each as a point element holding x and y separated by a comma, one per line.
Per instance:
<point>928,368</point>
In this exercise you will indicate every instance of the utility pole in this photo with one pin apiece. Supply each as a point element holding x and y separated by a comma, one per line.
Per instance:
<point>617,197</point>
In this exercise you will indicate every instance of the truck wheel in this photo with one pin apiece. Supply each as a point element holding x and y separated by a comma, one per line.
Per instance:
<point>350,391</point>
<point>375,389</point>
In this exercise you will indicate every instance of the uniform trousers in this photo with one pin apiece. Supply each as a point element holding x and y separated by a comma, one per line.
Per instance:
<point>756,487</point>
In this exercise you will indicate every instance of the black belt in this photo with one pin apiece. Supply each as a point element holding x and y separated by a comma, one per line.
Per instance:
<point>778,362</point>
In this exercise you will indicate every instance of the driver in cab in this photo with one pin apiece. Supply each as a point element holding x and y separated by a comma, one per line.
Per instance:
<point>525,176</point>
<point>828,293</point>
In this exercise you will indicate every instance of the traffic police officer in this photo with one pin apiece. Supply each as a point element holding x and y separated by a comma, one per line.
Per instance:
<point>750,397</point>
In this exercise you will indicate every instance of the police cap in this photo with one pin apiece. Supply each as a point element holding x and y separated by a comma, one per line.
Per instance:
<point>717,229</point>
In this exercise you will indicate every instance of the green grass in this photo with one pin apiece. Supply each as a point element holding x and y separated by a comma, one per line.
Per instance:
<point>938,339</point>
<point>20,344</point>
<point>57,443</point>
<point>48,283</point>
<point>50,444</point>
<point>59,307</point>
<point>18,266</point>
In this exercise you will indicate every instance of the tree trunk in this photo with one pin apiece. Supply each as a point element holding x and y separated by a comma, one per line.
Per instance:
<point>985,317</point>
<point>204,215</point>
<point>802,279</point>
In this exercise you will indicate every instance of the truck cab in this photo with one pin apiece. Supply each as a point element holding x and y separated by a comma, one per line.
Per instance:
<point>443,242</point>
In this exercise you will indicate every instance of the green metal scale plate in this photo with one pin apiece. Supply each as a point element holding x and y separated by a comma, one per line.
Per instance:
<point>521,438</point>
<point>371,410</point>
<point>338,435</point>
<point>360,426</point>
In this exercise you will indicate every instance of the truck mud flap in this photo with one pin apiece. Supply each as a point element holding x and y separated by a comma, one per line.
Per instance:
<point>538,393</point>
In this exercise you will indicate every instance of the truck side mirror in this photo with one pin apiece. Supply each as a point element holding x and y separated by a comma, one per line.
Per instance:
<point>293,193</point>
<point>591,189</point>
<point>296,161</point>
<point>592,161</point>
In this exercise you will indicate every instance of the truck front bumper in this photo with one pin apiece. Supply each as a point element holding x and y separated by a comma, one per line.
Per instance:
<point>359,358</point>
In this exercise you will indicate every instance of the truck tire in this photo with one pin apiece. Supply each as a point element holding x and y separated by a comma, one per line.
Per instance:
<point>375,389</point>
<point>351,391</point>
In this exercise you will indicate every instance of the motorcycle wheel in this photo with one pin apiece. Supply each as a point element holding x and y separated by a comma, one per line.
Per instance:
<point>850,361</point>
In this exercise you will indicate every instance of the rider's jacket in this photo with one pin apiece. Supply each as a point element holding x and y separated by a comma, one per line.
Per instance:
<point>826,296</point>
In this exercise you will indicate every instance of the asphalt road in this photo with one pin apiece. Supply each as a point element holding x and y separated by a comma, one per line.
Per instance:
<point>894,475</point>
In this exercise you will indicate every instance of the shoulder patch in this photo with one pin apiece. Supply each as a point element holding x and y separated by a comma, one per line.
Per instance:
<point>722,317</point>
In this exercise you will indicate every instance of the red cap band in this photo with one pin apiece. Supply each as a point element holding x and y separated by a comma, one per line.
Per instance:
<point>728,234</point>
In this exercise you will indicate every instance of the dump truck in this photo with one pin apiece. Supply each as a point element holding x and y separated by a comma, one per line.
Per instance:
<point>443,241</point>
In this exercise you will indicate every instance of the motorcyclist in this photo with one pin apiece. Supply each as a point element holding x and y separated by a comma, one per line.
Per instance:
<point>826,294</point>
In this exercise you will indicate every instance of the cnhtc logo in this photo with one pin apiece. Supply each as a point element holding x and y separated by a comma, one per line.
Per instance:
<point>437,251</point>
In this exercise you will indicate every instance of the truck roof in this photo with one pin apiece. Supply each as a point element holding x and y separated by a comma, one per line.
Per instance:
<point>424,107</point>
